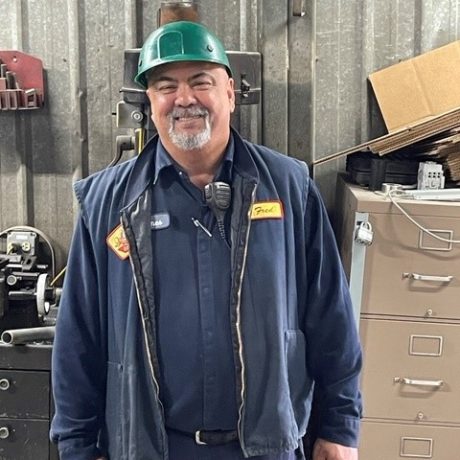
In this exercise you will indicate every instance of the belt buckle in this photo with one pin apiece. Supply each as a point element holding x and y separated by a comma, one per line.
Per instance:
<point>198,438</point>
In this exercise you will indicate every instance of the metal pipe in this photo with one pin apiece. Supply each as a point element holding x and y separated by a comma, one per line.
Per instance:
<point>171,11</point>
<point>299,7</point>
<point>31,334</point>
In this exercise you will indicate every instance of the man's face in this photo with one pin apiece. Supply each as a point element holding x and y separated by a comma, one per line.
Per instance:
<point>191,104</point>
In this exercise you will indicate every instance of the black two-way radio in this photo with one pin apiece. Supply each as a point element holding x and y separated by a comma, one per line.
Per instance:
<point>218,196</point>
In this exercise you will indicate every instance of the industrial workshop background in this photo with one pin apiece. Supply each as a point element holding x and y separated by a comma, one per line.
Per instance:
<point>316,55</point>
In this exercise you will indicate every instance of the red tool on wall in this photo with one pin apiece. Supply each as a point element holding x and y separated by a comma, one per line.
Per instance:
<point>21,81</point>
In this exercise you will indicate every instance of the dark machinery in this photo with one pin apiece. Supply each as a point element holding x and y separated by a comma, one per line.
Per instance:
<point>26,292</point>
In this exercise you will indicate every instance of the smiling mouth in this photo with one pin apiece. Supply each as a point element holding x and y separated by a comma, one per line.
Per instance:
<point>188,118</point>
<point>189,114</point>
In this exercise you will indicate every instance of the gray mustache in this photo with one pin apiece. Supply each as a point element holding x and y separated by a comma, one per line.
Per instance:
<point>178,112</point>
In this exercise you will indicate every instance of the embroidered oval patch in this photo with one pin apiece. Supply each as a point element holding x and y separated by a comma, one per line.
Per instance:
<point>118,243</point>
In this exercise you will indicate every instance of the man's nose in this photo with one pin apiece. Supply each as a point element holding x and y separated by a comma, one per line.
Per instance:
<point>185,96</point>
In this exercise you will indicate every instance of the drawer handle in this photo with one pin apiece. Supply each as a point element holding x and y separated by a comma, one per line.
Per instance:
<point>410,443</point>
<point>419,383</point>
<point>438,279</point>
<point>4,432</point>
<point>4,384</point>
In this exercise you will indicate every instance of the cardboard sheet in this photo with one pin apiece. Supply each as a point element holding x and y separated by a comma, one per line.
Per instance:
<point>419,89</point>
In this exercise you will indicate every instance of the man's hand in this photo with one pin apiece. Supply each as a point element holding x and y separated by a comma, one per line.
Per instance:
<point>325,450</point>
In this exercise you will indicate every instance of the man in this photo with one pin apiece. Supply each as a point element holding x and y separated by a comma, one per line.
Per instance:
<point>196,327</point>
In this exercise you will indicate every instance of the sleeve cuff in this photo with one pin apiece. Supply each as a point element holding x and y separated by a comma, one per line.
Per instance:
<point>341,430</point>
<point>78,451</point>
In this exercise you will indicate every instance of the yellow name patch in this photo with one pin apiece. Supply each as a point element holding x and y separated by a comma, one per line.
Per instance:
<point>267,210</point>
<point>118,243</point>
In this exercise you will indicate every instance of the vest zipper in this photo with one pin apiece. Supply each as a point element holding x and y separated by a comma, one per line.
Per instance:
<point>144,330</point>
<point>238,325</point>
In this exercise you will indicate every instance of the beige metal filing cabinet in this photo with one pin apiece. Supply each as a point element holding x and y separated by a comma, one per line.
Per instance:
<point>406,294</point>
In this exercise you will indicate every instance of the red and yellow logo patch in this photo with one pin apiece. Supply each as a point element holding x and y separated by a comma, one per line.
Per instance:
<point>118,243</point>
<point>267,210</point>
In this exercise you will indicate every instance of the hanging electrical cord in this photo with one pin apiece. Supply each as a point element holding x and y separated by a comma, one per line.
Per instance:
<point>44,237</point>
<point>401,194</point>
<point>59,275</point>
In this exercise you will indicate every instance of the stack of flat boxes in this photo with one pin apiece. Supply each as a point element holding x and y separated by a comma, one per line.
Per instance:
<point>406,292</point>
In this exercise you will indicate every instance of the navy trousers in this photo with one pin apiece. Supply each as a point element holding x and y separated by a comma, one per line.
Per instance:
<point>182,447</point>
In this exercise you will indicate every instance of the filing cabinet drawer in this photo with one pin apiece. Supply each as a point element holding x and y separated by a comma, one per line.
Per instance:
<point>411,370</point>
<point>24,394</point>
<point>385,441</point>
<point>24,439</point>
<point>408,272</point>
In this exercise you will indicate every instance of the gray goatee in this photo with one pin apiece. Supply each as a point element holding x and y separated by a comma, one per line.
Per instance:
<point>189,141</point>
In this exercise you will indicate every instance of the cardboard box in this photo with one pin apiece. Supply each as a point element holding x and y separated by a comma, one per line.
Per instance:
<point>419,89</point>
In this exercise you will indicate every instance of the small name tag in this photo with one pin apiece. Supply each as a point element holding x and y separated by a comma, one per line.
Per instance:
<point>160,221</point>
<point>267,210</point>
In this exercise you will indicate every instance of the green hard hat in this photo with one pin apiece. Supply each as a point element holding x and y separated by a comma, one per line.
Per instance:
<point>178,42</point>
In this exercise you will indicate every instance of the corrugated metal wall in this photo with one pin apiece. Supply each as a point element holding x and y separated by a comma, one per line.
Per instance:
<point>315,94</point>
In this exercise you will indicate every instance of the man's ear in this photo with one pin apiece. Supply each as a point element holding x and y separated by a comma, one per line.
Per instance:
<point>231,94</point>
<point>149,95</point>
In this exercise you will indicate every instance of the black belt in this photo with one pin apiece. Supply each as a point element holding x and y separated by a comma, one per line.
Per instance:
<point>209,438</point>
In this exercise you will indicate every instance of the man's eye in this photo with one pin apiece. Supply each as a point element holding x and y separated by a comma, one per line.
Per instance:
<point>202,85</point>
<point>166,89</point>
